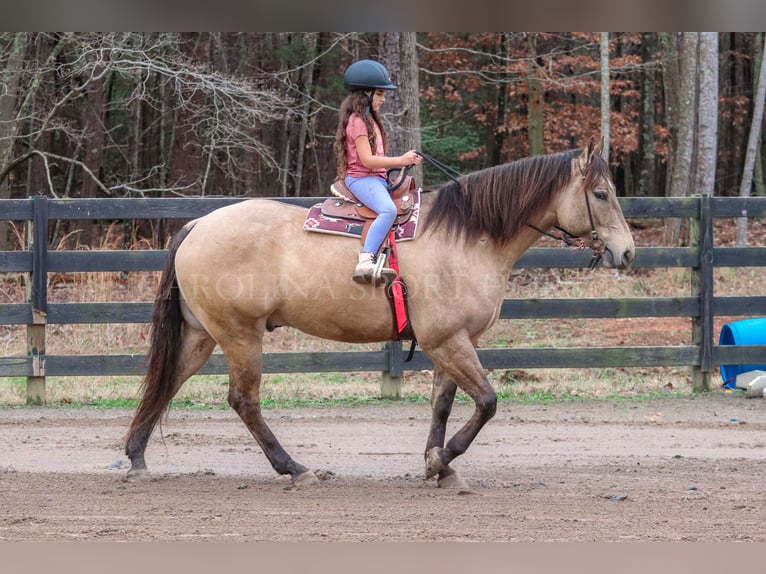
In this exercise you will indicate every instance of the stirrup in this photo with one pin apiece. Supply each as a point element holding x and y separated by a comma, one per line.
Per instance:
<point>382,274</point>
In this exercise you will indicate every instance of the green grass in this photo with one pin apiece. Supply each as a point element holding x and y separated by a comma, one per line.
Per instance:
<point>534,386</point>
<point>503,396</point>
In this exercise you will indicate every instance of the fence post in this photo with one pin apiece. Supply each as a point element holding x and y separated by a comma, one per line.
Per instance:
<point>391,383</point>
<point>702,286</point>
<point>37,294</point>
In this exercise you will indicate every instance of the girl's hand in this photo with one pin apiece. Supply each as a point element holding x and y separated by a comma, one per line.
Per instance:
<point>411,158</point>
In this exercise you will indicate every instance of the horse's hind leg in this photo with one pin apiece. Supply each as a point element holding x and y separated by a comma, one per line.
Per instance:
<point>442,397</point>
<point>245,367</point>
<point>196,348</point>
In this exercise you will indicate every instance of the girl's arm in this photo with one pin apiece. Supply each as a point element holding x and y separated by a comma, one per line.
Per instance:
<point>371,161</point>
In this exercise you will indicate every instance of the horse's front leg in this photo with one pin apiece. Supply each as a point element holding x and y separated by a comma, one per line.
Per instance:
<point>245,367</point>
<point>459,362</point>
<point>442,397</point>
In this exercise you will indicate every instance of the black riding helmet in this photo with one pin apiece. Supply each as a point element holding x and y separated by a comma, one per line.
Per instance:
<point>367,75</point>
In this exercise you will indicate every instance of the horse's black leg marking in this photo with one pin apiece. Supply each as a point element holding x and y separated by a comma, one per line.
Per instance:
<point>136,447</point>
<point>244,398</point>
<point>458,358</point>
<point>486,406</point>
<point>250,413</point>
<point>442,397</point>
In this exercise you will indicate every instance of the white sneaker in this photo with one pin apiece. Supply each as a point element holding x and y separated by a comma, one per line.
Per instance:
<point>364,269</point>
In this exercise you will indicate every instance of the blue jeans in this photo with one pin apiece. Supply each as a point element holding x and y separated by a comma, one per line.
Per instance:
<point>373,192</point>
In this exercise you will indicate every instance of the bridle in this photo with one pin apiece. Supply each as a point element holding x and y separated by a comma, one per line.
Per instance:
<point>595,244</point>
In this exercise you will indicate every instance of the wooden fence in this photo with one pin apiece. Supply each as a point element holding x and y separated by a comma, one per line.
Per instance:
<point>701,305</point>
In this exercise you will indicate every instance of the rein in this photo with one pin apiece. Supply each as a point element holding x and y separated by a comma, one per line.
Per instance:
<point>445,169</point>
<point>394,183</point>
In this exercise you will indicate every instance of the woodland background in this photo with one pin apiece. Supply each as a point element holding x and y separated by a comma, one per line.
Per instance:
<point>88,115</point>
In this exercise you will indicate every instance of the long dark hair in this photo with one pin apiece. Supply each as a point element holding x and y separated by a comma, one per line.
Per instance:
<point>359,103</point>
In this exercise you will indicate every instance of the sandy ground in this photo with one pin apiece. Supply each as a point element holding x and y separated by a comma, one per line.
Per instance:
<point>668,469</point>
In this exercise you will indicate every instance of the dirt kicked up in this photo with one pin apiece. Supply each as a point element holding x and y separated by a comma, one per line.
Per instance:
<point>665,469</point>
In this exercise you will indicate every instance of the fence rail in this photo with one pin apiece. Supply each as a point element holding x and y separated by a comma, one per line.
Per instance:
<point>701,305</point>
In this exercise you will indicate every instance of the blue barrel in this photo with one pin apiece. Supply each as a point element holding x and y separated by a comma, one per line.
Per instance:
<point>745,332</point>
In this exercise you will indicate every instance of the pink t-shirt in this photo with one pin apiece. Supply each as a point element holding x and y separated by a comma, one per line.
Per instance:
<point>354,129</point>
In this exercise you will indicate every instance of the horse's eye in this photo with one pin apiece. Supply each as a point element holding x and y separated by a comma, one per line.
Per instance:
<point>600,194</point>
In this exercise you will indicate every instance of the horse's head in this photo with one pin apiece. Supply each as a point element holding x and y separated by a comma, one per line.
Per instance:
<point>588,208</point>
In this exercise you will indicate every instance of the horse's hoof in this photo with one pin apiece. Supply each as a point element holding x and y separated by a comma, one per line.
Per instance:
<point>138,475</point>
<point>304,479</point>
<point>434,464</point>
<point>454,482</point>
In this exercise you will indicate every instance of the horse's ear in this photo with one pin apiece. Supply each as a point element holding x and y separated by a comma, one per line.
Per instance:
<point>598,148</point>
<point>582,161</point>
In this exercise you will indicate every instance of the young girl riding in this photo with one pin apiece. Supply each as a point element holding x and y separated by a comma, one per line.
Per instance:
<point>360,144</point>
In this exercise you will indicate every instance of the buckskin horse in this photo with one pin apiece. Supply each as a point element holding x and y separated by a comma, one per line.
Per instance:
<point>248,268</point>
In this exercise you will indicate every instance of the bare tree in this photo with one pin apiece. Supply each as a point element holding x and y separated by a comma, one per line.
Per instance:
<point>671,86</point>
<point>390,47</point>
<point>680,177</point>
<point>752,144</point>
<point>307,76</point>
<point>758,185</point>
<point>707,113</point>
<point>398,52</point>
<point>646,154</point>
<point>605,99</point>
<point>225,110</point>
<point>535,100</point>
<point>501,128</point>
<point>13,54</point>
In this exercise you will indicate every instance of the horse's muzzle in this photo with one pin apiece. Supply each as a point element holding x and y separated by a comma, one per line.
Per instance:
<point>627,258</point>
<point>623,262</point>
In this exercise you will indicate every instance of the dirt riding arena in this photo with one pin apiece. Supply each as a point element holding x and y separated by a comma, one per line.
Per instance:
<point>667,469</point>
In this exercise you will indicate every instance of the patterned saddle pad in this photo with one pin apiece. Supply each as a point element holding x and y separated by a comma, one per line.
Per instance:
<point>318,220</point>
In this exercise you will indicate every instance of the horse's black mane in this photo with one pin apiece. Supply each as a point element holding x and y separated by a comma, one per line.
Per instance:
<point>497,201</point>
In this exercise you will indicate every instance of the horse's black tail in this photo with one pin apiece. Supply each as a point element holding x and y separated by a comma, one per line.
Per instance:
<point>164,349</point>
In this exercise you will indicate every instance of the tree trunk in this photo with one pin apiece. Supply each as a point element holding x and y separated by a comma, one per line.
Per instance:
<point>307,73</point>
<point>95,139</point>
<point>752,144</point>
<point>758,168</point>
<point>185,161</point>
<point>390,56</point>
<point>399,54</point>
<point>707,114</point>
<point>605,99</point>
<point>758,188</point>
<point>535,100</point>
<point>680,177</point>
<point>287,132</point>
<point>502,104</point>
<point>646,157</point>
<point>740,84</point>
<point>410,89</point>
<point>285,156</point>
<point>11,80</point>
<point>671,87</point>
